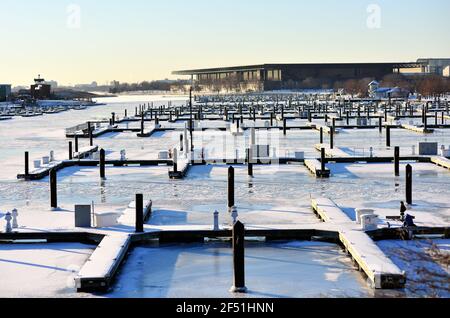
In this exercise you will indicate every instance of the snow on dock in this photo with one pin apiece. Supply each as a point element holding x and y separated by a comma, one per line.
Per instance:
<point>128,216</point>
<point>441,161</point>
<point>101,267</point>
<point>381,271</point>
<point>336,152</point>
<point>44,170</point>
<point>421,130</point>
<point>315,166</point>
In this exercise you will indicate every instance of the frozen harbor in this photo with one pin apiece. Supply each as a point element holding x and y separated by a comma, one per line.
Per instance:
<point>276,197</point>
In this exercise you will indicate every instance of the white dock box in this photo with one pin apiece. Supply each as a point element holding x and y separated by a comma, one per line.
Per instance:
<point>106,219</point>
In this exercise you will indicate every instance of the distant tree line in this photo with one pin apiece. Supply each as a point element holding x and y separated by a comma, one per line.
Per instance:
<point>162,85</point>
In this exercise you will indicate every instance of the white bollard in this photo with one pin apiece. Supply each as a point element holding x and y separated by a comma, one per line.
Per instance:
<point>216,221</point>
<point>8,219</point>
<point>234,214</point>
<point>15,214</point>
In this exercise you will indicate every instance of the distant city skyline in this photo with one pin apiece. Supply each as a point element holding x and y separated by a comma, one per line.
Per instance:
<point>81,41</point>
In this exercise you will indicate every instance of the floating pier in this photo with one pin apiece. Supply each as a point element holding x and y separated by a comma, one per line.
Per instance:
<point>381,271</point>
<point>418,129</point>
<point>441,161</point>
<point>315,166</point>
<point>100,269</point>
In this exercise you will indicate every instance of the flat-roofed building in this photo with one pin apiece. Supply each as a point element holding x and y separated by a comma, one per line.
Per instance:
<point>267,77</point>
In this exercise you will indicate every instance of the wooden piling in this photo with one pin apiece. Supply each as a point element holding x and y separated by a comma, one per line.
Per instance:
<point>53,189</point>
<point>76,143</point>
<point>397,161</point>
<point>91,140</point>
<point>409,199</point>
<point>388,136</point>
<point>139,213</point>
<point>70,151</point>
<point>238,258</point>
<point>230,187</point>
<point>102,164</point>
<point>27,163</point>
<point>322,159</point>
<point>250,162</point>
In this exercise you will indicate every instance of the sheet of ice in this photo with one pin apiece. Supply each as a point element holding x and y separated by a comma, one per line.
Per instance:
<point>297,269</point>
<point>41,270</point>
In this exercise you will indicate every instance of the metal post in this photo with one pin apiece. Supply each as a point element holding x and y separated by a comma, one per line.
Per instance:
<point>380,124</point>
<point>321,135</point>
<point>284,126</point>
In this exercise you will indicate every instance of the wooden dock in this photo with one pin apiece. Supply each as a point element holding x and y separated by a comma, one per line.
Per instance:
<point>315,166</point>
<point>381,271</point>
<point>417,129</point>
<point>441,161</point>
<point>100,269</point>
<point>44,171</point>
<point>331,153</point>
<point>182,169</point>
<point>128,216</point>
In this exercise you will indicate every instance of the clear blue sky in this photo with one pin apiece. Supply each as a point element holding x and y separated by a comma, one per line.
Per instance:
<point>137,40</point>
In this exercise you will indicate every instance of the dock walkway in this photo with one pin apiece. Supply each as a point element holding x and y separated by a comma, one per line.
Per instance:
<point>381,271</point>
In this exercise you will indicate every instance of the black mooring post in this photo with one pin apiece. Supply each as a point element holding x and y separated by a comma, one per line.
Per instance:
<point>348,118</point>
<point>175,160</point>
<point>76,143</point>
<point>181,142</point>
<point>142,124</point>
<point>230,187</point>
<point>238,258</point>
<point>332,138</point>
<point>271,119</point>
<point>139,213</point>
<point>102,164</point>
<point>53,189</point>
<point>191,131</point>
<point>113,118</point>
<point>321,135</point>
<point>322,159</point>
<point>126,113</point>
<point>284,126</point>
<point>250,162</point>
<point>380,124</point>
<point>436,118</point>
<point>409,184</point>
<point>70,151</point>
<point>397,161</point>
<point>388,136</point>
<point>91,141</point>
<point>27,163</point>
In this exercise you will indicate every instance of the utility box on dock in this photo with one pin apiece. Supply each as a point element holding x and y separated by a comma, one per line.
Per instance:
<point>83,216</point>
<point>428,148</point>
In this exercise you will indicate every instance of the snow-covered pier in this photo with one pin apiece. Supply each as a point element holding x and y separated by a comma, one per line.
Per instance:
<point>377,266</point>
